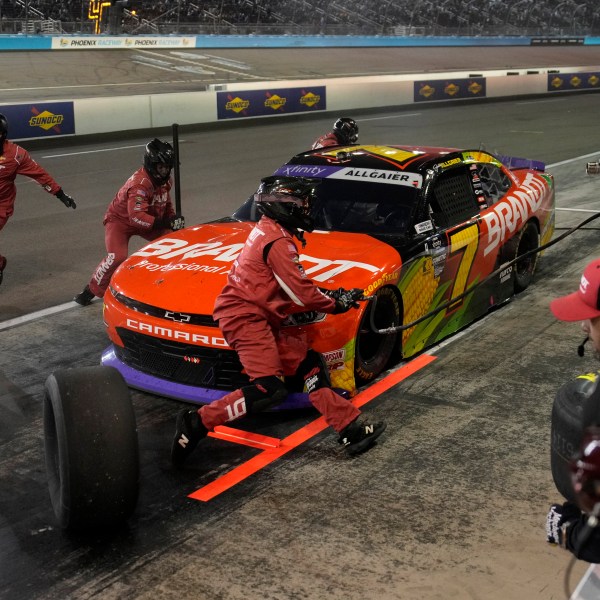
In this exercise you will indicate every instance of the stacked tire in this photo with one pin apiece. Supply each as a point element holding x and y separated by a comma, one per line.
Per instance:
<point>576,406</point>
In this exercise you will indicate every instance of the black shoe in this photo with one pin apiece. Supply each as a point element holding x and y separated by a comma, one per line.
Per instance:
<point>3,262</point>
<point>85,297</point>
<point>189,430</point>
<point>360,435</point>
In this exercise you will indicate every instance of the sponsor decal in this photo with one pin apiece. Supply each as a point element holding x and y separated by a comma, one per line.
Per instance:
<point>46,119</point>
<point>571,81</point>
<point>514,210</point>
<point>426,91</point>
<point>384,279</point>
<point>237,105</point>
<point>275,102</point>
<point>335,359</point>
<point>424,226</point>
<point>166,249</point>
<point>254,103</point>
<point>378,176</point>
<point>505,274</point>
<point>449,90</point>
<point>175,334</point>
<point>309,99</point>
<point>448,163</point>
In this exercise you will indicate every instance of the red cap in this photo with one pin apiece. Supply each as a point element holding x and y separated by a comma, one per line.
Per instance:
<point>585,302</point>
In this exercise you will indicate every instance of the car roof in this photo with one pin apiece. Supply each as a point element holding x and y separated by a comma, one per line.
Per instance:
<point>413,159</point>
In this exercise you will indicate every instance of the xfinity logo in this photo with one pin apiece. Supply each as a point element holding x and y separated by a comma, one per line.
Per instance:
<point>178,317</point>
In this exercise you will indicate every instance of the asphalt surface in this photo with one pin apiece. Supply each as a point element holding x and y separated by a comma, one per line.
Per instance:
<point>64,75</point>
<point>451,502</point>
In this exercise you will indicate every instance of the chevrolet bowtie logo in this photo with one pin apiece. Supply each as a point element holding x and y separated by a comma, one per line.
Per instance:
<point>178,317</point>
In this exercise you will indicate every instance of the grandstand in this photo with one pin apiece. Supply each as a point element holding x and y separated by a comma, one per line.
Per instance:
<point>310,17</point>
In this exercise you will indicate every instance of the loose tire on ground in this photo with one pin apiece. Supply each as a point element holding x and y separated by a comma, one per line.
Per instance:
<point>375,351</point>
<point>91,448</point>
<point>574,408</point>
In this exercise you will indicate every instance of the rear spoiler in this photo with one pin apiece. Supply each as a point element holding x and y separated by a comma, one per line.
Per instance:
<point>514,162</point>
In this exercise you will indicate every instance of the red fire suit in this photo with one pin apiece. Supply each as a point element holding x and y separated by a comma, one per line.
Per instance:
<point>329,139</point>
<point>265,284</point>
<point>17,161</point>
<point>139,208</point>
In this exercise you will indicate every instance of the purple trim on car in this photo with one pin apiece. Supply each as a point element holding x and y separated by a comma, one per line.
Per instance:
<point>188,393</point>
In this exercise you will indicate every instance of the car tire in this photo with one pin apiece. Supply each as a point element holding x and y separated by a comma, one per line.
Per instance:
<point>91,448</point>
<point>573,409</point>
<point>373,351</point>
<point>528,239</point>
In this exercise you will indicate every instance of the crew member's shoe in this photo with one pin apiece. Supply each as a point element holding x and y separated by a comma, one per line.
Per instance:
<point>85,297</point>
<point>360,435</point>
<point>3,262</point>
<point>189,430</point>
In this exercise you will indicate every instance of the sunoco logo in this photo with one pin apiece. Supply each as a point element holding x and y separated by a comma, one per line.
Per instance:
<point>310,99</point>
<point>451,89</point>
<point>46,120</point>
<point>426,91</point>
<point>237,105</point>
<point>275,102</point>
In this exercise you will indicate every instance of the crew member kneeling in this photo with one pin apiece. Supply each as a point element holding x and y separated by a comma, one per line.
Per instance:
<point>265,284</point>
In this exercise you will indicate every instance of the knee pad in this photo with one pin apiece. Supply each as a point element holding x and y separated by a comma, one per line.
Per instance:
<point>314,372</point>
<point>264,393</point>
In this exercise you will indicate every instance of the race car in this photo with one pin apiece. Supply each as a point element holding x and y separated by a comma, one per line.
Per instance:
<point>434,237</point>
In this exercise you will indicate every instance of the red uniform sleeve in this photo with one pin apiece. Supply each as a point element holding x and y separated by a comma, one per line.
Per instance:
<point>28,167</point>
<point>325,141</point>
<point>138,202</point>
<point>289,273</point>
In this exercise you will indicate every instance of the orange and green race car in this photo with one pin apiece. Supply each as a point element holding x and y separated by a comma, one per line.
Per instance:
<point>414,227</point>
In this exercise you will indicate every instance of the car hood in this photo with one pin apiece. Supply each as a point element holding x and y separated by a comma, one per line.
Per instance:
<point>185,271</point>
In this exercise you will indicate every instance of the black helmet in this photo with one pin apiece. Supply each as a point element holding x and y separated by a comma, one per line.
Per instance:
<point>3,128</point>
<point>346,130</point>
<point>287,200</point>
<point>156,153</point>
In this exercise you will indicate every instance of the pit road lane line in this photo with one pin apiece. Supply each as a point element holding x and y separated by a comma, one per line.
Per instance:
<point>266,457</point>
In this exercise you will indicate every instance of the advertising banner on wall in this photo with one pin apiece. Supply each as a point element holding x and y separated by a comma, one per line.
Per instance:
<point>449,89</point>
<point>559,82</point>
<point>261,103</point>
<point>44,119</point>
<point>120,42</point>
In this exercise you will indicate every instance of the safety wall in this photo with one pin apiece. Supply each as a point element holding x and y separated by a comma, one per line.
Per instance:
<point>105,115</point>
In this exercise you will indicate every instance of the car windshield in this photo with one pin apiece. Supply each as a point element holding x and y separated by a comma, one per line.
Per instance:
<point>356,207</point>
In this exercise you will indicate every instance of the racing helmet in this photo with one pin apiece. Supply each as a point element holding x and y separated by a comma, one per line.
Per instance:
<point>287,200</point>
<point>158,152</point>
<point>585,470</point>
<point>3,128</point>
<point>346,130</point>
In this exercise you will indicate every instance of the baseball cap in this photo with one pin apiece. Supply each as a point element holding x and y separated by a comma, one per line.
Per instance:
<point>585,302</point>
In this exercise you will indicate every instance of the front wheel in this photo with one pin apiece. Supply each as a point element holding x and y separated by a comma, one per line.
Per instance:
<point>375,351</point>
<point>91,447</point>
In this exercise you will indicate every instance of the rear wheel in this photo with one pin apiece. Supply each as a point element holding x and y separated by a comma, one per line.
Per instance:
<point>91,448</point>
<point>528,239</point>
<point>375,351</point>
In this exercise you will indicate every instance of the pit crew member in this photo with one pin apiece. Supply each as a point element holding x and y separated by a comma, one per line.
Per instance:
<point>14,161</point>
<point>265,284</point>
<point>344,133</point>
<point>569,525</point>
<point>141,207</point>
